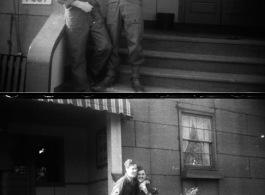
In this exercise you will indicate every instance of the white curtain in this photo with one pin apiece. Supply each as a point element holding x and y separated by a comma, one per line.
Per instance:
<point>198,129</point>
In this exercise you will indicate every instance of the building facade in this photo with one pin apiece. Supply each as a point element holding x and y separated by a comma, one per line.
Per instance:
<point>216,145</point>
<point>22,22</point>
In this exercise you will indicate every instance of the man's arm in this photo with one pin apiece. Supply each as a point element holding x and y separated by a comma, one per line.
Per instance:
<point>118,187</point>
<point>85,6</point>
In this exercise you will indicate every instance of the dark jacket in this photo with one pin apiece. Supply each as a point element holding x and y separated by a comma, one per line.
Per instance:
<point>150,189</point>
<point>125,186</point>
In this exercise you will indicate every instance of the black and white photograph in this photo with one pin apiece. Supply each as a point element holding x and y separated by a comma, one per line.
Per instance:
<point>132,146</point>
<point>132,46</point>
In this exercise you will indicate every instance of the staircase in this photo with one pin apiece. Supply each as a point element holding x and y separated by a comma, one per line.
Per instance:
<point>197,63</point>
<point>185,62</point>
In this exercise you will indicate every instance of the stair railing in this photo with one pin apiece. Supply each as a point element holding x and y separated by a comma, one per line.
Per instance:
<point>12,73</point>
<point>41,53</point>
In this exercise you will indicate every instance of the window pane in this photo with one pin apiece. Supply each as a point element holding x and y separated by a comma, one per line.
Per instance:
<point>200,134</point>
<point>193,133</point>
<point>200,123</point>
<point>206,160</point>
<point>186,133</point>
<point>193,121</point>
<point>206,148</point>
<point>194,147</point>
<point>207,136</point>
<point>185,121</point>
<point>207,124</point>
<point>193,159</point>
<point>185,145</point>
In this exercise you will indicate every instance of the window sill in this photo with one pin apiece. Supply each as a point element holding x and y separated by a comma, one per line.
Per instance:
<point>201,174</point>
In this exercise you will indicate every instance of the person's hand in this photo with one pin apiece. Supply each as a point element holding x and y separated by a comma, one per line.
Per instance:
<point>85,6</point>
<point>146,182</point>
<point>143,187</point>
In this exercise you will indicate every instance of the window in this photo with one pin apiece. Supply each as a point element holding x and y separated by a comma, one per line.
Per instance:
<point>48,160</point>
<point>197,140</point>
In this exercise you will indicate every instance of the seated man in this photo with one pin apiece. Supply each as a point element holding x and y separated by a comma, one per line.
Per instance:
<point>145,187</point>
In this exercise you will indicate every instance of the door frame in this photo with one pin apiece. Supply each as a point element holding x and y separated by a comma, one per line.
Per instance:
<point>181,11</point>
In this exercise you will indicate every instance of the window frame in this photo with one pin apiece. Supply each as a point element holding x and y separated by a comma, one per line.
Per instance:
<point>213,148</point>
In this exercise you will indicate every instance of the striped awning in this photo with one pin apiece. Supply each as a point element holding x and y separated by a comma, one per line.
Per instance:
<point>117,106</point>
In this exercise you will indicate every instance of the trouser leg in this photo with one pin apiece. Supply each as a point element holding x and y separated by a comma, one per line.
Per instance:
<point>133,25</point>
<point>103,46</point>
<point>77,29</point>
<point>114,24</point>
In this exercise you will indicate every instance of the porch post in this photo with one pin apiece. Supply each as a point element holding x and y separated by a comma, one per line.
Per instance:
<point>114,147</point>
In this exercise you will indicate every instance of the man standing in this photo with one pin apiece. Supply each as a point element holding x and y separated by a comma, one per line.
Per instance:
<point>127,185</point>
<point>84,17</point>
<point>131,13</point>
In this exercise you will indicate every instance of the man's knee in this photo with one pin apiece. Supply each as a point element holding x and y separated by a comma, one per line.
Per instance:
<point>105,47</point>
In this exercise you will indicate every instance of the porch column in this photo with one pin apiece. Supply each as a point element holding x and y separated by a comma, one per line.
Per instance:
<point>114,147</point>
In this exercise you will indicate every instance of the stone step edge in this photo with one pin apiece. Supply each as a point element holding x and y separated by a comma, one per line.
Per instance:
<point>202,40</point>
<point>126,88</point>
<point>199,57</point>
<point>196,75</point>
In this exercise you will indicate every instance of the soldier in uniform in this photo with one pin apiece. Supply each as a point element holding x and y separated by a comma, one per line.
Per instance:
<point>131,13</point>
<point>84,17</point>
<point>127,185</point>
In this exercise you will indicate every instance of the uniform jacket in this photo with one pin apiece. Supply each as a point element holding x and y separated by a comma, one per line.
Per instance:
<point>124,186</point>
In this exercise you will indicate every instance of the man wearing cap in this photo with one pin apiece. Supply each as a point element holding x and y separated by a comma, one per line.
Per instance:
<point>127,185</point>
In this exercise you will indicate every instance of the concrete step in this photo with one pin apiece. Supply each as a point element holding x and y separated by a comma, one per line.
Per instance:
<point>224,46</point>
<point>125,87</point>
<point>201,62</point>
<point>194,80</point>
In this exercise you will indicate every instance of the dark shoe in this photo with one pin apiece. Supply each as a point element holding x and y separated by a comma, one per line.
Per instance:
<point>136,85</point>
<point>102,86</point>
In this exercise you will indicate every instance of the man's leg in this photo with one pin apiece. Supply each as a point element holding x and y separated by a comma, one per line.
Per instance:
<point>103,46</point>
<point>114,23</point>
<point>134,33</point>
<point>77,29</point>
